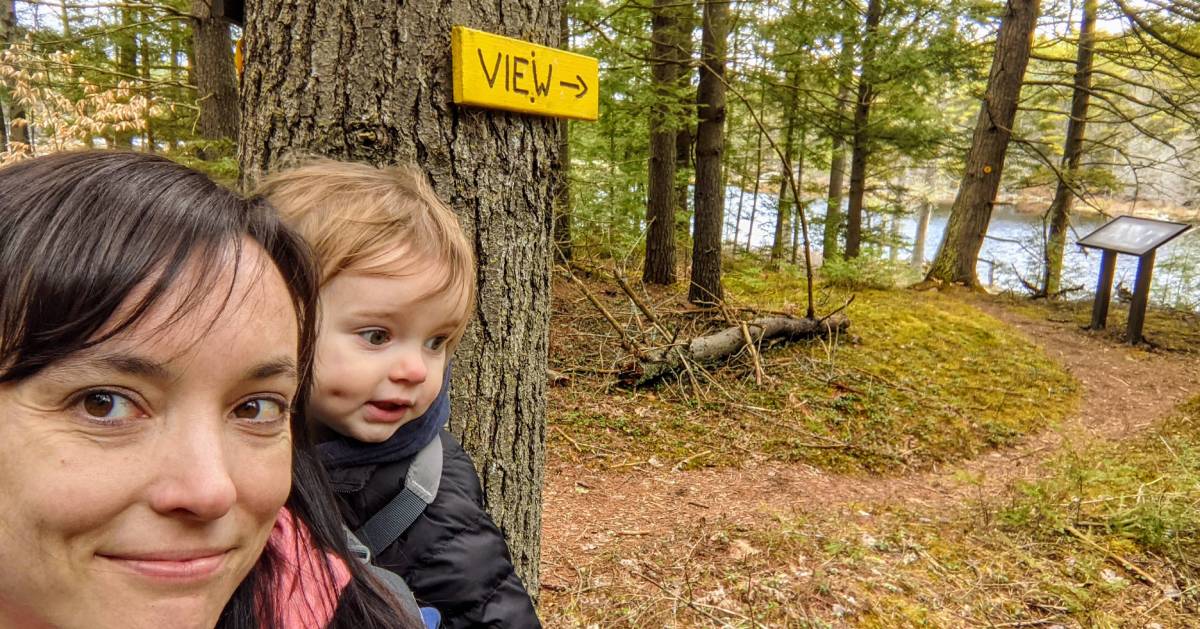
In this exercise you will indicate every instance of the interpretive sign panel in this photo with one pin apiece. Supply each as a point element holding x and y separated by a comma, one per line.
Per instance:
<point>1134,236</point>
<point>1140,237</point>
<point>504,73</point>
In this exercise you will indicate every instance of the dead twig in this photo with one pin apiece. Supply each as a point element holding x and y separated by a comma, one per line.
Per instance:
<point>750,346</point>
<point>625,342</point>
<point>1124,563</point>
<point>843,307</point>
<point>649,314</point>
<point>689,459</point>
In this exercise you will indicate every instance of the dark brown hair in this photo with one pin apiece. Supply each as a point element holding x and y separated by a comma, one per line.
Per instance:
<point>80,231</point>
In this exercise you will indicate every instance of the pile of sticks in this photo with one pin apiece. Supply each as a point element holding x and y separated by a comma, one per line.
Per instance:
<point>646,365</point>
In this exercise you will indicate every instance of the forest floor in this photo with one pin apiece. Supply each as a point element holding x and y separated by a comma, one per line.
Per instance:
<point>957,460</point>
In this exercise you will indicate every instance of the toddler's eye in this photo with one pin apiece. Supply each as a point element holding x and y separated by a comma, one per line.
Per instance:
<point>108,406</point>
<point>375,337</point>
<point>260,410</point>
<point>436,343</point>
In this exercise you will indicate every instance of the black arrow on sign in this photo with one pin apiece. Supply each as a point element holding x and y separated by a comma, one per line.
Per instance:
<point>576,86</point>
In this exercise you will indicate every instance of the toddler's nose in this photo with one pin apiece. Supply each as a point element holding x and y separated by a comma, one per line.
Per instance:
<point>409,368</point>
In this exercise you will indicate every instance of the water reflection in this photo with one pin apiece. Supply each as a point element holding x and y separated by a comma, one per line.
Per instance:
<point>1012,250</point>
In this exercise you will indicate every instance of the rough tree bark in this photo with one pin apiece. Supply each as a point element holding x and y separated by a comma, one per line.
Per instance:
<point>683,137</point>
<point>562,195</point>
<point>370,80</point>
<point>659,267</point>
<point>958,253</point>
<point>1059,213</point>
<point>837,162</point>
<point>862,117</point>
<point>213,70</point>
<point>705,286</point>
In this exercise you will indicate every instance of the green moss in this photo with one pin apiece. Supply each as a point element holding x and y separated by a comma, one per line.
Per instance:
<point>921,377</point>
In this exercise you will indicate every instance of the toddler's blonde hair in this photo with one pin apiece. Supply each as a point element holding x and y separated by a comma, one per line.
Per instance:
<point>365,219</point>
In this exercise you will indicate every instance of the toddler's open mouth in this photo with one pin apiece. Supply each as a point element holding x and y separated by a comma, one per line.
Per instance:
<point>386,411</point>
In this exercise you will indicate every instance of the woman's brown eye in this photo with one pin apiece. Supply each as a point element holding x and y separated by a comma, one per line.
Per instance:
<point>247,410</point>
<point>98,404</point>
<point>262,409</point>
<point>108,406</point>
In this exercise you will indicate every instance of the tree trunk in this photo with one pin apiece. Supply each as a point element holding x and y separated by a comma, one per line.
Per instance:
<point>6,23</point>
<point>216,77</point>
<point>562,195</point>
<point>145,68</point>
<point>959,251</point>
<point>893,222</point>
<point>65,14</point>
<point>758,134</point>
<point>705,286</point>
<point>19,138</point>
<point>683,137</point>
<point>737,227</point>
<point>1064,195</point>
<point>563,251</point>
<point>170,132</point>
<point>862,116</point>
<point>918,255</point>
<point>721,345</point>
<point>800,187</point>
<point>784,205</point>
<point>837,161</point>
<point>3,124</point>
<point>370,81</point>
<point>126,44</point>
<point>660,207</point>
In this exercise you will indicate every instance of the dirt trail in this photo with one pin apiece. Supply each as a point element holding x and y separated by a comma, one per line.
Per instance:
<point>1123,392</point>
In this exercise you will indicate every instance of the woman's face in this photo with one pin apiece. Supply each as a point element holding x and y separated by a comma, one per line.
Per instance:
<point>141,477</point>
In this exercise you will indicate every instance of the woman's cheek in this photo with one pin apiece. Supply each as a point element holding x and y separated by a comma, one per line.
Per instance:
<point>266,481</point>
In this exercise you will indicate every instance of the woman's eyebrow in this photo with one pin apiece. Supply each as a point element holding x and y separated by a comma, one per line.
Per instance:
<point>282,366</point>
<point>131,365</point>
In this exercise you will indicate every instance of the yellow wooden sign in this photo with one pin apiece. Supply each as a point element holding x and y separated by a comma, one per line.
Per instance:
<point>504,73</point>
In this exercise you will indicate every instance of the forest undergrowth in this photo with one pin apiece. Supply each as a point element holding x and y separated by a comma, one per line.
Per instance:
<point>920,378</point>
<point>835,524</point>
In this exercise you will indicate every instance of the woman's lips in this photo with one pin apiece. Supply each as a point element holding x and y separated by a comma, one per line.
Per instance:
<point>386,411</point>
<point>176,566</point>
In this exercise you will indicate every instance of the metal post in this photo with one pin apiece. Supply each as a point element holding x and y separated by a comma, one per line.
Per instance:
<point>1141,298</point>
<point>1108,268</point>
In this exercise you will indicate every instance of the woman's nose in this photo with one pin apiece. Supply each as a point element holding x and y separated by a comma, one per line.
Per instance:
<point>195,479</point>
<point>408,367</point>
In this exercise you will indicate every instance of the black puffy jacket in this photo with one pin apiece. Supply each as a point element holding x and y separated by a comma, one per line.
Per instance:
<point>453,557</point>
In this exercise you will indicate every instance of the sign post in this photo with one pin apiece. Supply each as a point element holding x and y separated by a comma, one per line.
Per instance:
<point>504,73</point>
<point>1139,237</point>
<point>1108,268</point>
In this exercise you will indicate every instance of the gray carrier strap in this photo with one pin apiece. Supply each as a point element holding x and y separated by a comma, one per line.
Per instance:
<point>420,488</point>
<point>391,581</point>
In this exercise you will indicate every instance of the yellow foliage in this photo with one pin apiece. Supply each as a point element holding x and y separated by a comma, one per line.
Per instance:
<point>36,81</point>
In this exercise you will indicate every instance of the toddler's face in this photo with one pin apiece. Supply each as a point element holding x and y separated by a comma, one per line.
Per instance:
<point>381,353</point>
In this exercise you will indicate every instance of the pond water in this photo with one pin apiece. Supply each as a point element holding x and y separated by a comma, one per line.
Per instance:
<point>1012,250</point>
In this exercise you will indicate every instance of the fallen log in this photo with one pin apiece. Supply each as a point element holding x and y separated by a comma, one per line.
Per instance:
<point>657,363</point>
